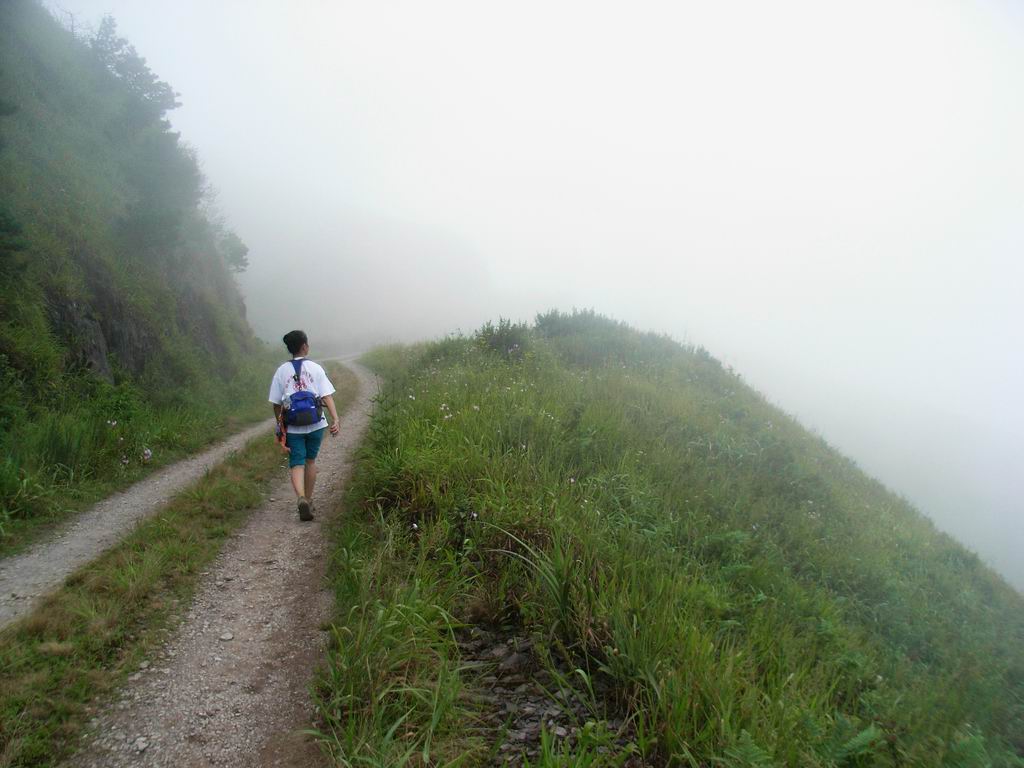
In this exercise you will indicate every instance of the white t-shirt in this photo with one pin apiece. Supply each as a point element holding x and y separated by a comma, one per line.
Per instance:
<point>313,380</point>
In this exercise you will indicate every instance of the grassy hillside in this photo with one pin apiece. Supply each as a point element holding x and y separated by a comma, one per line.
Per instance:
<point>117,299</point>
<point>723,587</point>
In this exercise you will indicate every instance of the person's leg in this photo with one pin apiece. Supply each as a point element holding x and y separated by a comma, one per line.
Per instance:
<point>313,441</point>
<point>297,461</point>
<point>297,479</point>
<point>310,477</point>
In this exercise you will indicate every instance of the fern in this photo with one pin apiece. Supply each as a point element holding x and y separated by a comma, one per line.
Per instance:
<point>862,744</point>
<point>746,753</point>
<point>968,751</point>
<point>848,741</point>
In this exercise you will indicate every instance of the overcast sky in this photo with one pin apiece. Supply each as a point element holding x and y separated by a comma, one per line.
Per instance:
<point>828,196</point>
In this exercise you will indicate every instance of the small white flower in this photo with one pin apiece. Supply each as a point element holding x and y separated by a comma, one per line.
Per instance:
<point>412,397</point>
<point>476,407</point>
<point>572,480</point>
<point>146,454</point>
<point>124,460</point>
<point>415,527</point>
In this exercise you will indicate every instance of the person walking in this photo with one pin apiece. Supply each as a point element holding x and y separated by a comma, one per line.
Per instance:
<point>299,392</point>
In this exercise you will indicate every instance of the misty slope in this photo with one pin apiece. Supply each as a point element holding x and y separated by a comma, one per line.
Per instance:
<point>741,591</point>
<point>117,301</point>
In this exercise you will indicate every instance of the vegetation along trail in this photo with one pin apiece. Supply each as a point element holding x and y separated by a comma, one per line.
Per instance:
<point>27,577</point>
<point>231,686</point>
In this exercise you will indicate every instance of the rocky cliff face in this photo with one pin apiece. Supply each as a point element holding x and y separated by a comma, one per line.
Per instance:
<point>81,331</point>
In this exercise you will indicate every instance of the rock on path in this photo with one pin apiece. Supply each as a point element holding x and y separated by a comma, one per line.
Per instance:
<point>231,686</point>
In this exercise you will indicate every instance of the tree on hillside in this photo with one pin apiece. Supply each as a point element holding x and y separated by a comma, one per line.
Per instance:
<point>153,97</point>
<point>168,184</point>
<point>234,251</point>
<point>164,174</point>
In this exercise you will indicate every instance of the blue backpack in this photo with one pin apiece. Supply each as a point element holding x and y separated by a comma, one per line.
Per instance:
<point>303,407</point>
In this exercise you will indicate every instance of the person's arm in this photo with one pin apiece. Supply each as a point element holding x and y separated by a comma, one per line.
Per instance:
<point>276,397</point>
<point>323,384</point>
<point>329,402</point>
<point>279,428</point>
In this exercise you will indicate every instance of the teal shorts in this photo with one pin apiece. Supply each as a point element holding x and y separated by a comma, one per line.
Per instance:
<point>303,447</point>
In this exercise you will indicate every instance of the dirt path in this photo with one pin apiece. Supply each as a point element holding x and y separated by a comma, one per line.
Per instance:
<point>231,686</point>
<point>27,577</point>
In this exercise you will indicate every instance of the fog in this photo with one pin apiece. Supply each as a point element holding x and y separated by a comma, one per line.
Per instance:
<point>828,196</point>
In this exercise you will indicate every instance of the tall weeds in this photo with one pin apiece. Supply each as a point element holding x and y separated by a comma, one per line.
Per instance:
<point>92,441</point>
<point>734,588</point>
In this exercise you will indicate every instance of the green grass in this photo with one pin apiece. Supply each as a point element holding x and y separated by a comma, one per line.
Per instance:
<point>77,454</point>
<point>391,693</point>
<point>85,449</point>
<point>747,595</point>
<point>81,642</point>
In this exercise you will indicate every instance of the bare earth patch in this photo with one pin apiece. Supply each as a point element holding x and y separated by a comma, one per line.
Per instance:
<point>231,686</point>
<point>518,699</point>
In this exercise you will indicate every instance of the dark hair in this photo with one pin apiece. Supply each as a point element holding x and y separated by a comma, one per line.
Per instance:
<point>294,341</point>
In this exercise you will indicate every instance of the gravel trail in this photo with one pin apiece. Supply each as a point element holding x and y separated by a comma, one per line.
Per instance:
<point>231,685</point>
<point>29,576</point>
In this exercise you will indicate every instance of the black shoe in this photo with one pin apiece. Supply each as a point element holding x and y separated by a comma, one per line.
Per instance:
<point>305,509</point>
